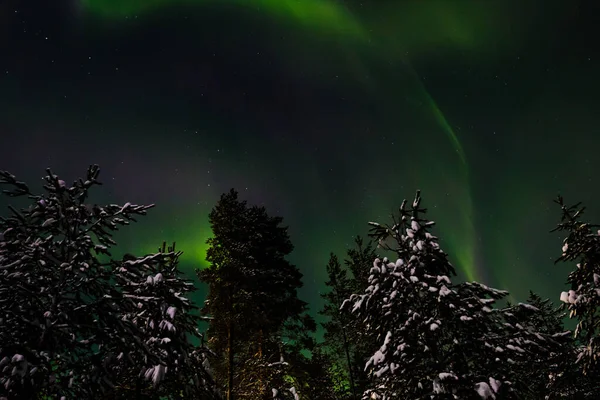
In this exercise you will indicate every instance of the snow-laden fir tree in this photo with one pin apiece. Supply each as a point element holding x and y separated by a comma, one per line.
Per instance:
<point>75,324</point>
<point>557,376</point>
<point>582,246</point>
<point>552,376</point>
<point>437,339</point>
<point>163,316</point>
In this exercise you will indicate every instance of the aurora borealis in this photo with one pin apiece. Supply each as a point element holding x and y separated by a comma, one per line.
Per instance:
<point>327,112</point>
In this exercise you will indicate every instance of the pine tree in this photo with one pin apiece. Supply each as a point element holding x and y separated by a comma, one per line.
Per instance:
<point>252,292</point>
<point>437,339</point>
<point>68,312</point>
<point>289,360</point>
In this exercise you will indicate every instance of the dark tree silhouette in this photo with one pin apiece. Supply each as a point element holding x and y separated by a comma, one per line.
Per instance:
<point>345,337</point>
<point>252,294</point>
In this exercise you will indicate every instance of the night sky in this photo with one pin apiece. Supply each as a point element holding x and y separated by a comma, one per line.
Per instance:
<point>327,112</point>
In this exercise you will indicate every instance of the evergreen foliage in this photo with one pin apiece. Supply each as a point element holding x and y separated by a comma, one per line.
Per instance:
<point>578,374</point>
<point>582,246</point>
<point>76,327</point>
<point>252,297</point>
<point>336,329</point>
<point>75,323</point>
<point>437,339</point>
<point>345,337</point>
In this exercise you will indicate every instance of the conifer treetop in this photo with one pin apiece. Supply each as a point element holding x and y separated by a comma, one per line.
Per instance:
<point>435,339</point>
<point>582,247</point>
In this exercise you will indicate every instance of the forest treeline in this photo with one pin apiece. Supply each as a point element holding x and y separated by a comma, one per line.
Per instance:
<point>78,323</point>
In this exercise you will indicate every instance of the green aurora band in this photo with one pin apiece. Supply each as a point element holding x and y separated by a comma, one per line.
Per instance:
<point>322,16</point>
<point>413,26</point>
<point>405,30</point>
<point>461,241</point>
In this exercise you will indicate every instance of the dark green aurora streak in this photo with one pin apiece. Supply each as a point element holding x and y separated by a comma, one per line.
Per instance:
<point>327,112</point>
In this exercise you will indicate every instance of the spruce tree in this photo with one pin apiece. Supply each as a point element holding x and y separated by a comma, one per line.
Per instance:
<point>579,375</point>
<point>436,339</point>
<point>345,337</point>
<point>358,261</point>
<point>316,378</point>
<point>335,334</point>
<point>165,321</point>
<point>552,376</point>
<point>582,246</point>
<point>252,294</point>
<point>76,324</point>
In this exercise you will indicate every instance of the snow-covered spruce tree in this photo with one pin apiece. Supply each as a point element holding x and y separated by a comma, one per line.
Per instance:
<point>552,378</point>
<point>165,323</point>
<point>67,326</point>
<point>582,246</point>
<point>437,339</point>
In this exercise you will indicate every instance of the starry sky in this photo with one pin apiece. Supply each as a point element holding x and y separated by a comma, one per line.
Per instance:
<point>327,112</point>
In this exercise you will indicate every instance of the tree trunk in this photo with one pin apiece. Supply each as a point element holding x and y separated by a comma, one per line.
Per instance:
<point>350,373</point>
<point>346,345</point>
<point>230,358</point>
<point>230,361</point>
<point>138,389</point>
<point>260,343</point>
<point>261,379</point>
